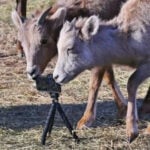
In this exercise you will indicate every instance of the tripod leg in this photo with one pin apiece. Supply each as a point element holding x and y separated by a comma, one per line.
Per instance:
<point>49,123</point>
<point>66,121</point>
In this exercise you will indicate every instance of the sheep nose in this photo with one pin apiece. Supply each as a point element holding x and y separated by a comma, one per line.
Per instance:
<point>55,76</point>
<point>31,72</point>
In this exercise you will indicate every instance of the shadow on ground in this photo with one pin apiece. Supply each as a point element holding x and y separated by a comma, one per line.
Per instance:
<point>29,116</point>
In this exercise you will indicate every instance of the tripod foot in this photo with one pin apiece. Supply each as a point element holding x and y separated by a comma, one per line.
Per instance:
<point>66,121</point>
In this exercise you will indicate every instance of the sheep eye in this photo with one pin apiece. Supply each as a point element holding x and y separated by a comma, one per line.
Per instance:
<point>43,41</point>
<point>68,50</point>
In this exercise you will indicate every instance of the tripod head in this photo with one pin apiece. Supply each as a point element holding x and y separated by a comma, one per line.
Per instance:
<point>47,84</point>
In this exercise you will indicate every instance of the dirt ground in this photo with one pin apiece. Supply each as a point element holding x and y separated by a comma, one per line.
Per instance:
<point>23,109</point>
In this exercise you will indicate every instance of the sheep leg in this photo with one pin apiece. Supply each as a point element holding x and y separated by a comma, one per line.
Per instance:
<point>95,81</point>
<point>19,49</point>
<point>118,97</point>
<point>146,103</point>
<point>21,9</point>
<point>90,112</point>
<point>132,116</point>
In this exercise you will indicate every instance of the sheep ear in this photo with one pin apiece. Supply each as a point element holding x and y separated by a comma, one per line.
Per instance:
<point>43,16</point>
<point>90,27</point>
<point>73,21</point>
<point>59,16</point>
<point>67,26</point>
<point>16,19</point>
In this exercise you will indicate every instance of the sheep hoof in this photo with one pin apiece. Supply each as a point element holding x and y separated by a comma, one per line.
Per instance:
<point>132,137</point>
<point>85,122</point>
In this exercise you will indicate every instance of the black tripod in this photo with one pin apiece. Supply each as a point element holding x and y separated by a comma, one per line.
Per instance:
<point>48,84</point>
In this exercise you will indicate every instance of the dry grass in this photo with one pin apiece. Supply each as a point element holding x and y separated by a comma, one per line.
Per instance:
<point>23,109</point>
